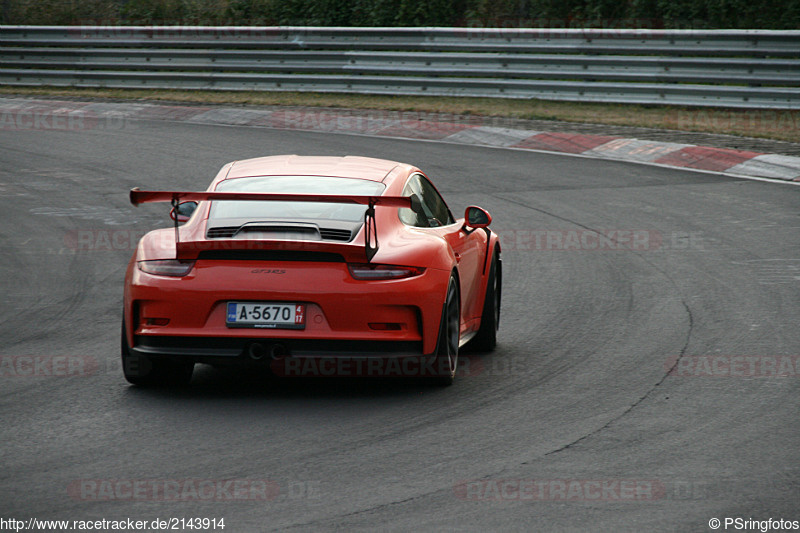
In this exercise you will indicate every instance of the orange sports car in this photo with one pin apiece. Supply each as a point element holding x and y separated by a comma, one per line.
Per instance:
<point>311,266</point>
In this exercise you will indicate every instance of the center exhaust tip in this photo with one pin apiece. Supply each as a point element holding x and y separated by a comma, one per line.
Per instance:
<point>279,351</point>
<point>256,351</point>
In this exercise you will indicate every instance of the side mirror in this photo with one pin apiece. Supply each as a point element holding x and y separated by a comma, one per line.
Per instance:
<point>477,217</point>
<point>183,212</point>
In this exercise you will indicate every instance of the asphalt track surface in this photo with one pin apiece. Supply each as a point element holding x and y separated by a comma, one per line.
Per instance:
<point>580,420</point>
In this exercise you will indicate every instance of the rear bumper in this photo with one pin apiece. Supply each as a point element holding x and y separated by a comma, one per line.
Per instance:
<point>298,357</point>
<point>202,349</point>
<point>186,316</point>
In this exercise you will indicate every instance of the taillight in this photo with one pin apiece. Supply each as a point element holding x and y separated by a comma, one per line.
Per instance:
<point>166,267</point>
<point>381,272</point>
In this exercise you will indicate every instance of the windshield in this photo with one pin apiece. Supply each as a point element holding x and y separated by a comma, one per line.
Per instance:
<point>295,210</point>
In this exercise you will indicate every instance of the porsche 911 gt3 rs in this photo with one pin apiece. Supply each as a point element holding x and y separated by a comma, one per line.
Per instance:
<point>290,259</point>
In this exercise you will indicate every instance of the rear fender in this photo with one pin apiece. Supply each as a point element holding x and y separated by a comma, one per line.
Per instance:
<point>492,249</point>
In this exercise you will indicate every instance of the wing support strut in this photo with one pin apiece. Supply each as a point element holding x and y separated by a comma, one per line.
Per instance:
<point>370,232</point>
<point>175,201</point>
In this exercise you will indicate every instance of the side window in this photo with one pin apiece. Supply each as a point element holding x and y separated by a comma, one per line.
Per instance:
<point>407,216</point>
<point>434,211</point>
<point>435,208</point>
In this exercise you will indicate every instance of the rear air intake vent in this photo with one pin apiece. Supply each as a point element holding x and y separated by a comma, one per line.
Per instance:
<point>328,234</point>
<point>221,232</point>
<point>270,255</point>
<point>333,234</point>
<point>297,232</point>
<point>285,232</point>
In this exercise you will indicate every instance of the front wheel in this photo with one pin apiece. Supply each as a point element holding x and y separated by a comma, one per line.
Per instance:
<point>148,372</point>
<point>449,336</point>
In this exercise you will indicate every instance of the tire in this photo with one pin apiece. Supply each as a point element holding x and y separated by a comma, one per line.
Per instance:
<point>486,338</point>
<point>449,333</point>
<point>148,372</point>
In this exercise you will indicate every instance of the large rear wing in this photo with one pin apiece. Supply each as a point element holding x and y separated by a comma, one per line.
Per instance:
<point>144,197</point>
<point>138,196</point>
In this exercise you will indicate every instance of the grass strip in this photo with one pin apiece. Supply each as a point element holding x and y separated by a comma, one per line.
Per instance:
<point>776,124</point>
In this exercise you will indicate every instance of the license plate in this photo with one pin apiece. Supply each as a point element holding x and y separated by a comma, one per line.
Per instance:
<point>266,315</point>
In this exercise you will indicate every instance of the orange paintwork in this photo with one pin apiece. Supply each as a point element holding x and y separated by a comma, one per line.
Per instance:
<point>339,307</point>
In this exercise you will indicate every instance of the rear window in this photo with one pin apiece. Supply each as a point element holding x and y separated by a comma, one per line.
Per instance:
<point>295,210</point>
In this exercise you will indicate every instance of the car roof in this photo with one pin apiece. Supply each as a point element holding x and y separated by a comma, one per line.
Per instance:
<point>365,168</point>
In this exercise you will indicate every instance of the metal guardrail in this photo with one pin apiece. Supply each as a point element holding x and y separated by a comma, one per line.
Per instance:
<point>731,68</point>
